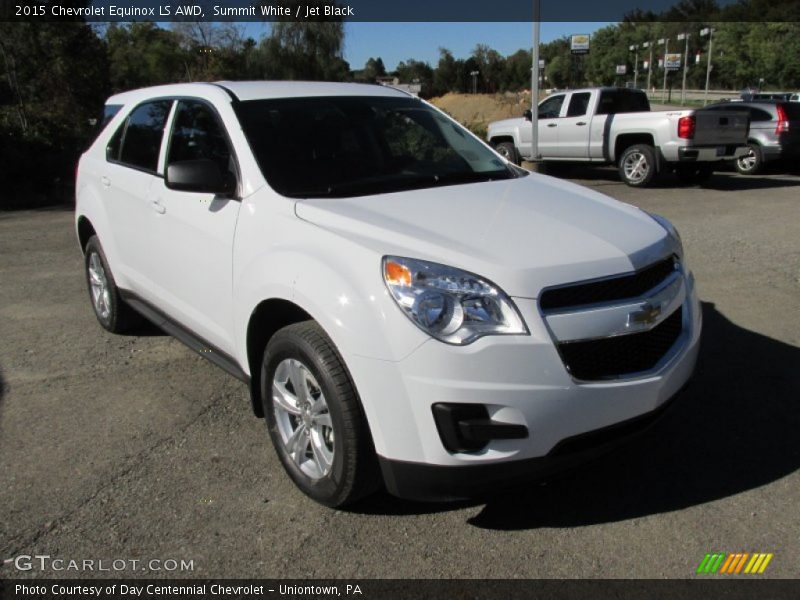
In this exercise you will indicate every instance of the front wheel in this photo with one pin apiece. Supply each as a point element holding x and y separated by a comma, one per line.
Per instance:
<point>508,151</point>
<point>637,165</point>
<point>314,417</point>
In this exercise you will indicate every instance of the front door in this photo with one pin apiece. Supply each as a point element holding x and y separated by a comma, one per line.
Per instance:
<point>549,125</point>
<point>196,230</point>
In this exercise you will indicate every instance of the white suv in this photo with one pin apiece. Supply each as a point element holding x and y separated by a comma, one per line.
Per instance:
<point>407,307</point>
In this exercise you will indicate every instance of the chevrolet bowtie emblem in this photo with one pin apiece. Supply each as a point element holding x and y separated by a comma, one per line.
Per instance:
<point>646,315</point>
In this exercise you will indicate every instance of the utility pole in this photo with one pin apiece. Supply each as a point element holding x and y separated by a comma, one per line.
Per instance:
<point>635,48</point>
<point>684,36</point>
<point>664,41</point>
<point>649,63</point>
<point>708,31</point>
<point>535,85</point>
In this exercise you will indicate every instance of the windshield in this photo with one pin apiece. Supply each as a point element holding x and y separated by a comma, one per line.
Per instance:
<point>356,145</point>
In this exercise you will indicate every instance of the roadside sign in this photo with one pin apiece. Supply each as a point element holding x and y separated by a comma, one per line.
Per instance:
<point>541,63</point>
<point>579,43</point>
<point>622,69</point>
<point>673,62</point>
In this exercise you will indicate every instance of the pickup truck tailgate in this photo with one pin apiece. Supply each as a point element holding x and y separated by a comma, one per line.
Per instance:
<point>717,127</point>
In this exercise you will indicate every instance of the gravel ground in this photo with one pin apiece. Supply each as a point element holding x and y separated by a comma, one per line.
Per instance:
<point>135,448</point>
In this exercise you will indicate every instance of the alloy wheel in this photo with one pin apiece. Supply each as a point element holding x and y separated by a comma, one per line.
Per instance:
<point>98,282</point>
<point>303,419</point>
<point>636,167</point>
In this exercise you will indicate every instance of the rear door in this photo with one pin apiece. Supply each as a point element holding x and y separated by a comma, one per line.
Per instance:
<point>195,230</point>
<point>130,171</point>
<point>573,128</point>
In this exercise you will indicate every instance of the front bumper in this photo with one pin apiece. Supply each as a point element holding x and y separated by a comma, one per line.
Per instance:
<point>521,380</point>
<point>431,483</point>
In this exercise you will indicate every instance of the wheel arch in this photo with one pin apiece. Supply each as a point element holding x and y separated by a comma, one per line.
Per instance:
<point>266,319</point>
<point>85,231</point>
<point>626,140</point>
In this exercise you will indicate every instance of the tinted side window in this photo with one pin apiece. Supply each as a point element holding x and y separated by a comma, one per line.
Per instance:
<point>757,114</point>
<point>144,129</point>
<point>622,101</point>
<point>198,134</point>
<point>578,104</point>
<point>551,108</point>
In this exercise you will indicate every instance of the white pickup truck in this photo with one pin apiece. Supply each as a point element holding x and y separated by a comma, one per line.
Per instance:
<point>615,126</point>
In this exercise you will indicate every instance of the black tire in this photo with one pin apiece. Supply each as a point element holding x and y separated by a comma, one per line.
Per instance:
<point>119,318</point>
<point>508,151</point>
<point>751,163</point>
<point>645,172</point>
<point>694,174</point>
<point>354,471</point>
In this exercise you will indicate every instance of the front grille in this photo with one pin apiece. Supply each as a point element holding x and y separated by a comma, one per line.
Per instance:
<point>606,290</point>
<point>622,355</point>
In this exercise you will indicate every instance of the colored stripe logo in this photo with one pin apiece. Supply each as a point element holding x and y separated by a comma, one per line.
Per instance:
<point>734,563</point>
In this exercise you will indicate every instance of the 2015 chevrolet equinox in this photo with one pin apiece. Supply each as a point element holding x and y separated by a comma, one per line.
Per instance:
<point>407,306</point>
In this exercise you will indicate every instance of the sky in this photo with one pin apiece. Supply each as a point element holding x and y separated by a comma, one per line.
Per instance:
<point>394,42</point>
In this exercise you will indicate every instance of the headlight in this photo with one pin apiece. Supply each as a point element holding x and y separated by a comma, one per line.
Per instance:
<point>671,231</point>
<point>451,305</point>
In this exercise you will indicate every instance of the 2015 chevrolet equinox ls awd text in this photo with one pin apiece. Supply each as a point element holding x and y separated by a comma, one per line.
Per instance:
<point>407,306</point>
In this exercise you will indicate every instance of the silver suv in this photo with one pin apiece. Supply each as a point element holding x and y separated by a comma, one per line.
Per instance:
<point>774,133</point>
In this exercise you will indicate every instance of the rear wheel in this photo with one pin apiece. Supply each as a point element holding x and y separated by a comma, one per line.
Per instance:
<point>314,417</point>
<point>752,162</point>
<point>110,309</point>
<point>508,151</point>
<point>637,165</point>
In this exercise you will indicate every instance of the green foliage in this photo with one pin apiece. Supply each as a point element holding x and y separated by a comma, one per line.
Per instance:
<point>53,81</point>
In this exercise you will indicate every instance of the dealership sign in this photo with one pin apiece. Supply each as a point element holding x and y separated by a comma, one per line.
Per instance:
<point>580,43</point>
<point>673,62</point>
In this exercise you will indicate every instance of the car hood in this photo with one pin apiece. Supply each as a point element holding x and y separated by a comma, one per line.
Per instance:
<point>523,234</point>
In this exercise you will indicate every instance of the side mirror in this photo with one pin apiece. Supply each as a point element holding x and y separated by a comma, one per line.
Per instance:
<point>202,176</point>
<point>528,115</point>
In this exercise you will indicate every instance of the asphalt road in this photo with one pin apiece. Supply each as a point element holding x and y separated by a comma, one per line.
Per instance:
<point>135,448</point>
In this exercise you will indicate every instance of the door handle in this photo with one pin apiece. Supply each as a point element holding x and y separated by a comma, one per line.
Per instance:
<point>580,123</point>
<point>158,207</point>
<point>552,124</point>
<point>105,181</point>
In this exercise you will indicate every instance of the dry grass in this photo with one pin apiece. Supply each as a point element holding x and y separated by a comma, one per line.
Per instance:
<point>476,111</point>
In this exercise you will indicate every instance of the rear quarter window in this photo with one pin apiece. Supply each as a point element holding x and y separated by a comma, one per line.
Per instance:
<point>137,142</point>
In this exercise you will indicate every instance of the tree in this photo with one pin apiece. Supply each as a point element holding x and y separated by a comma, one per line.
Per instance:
<point>446,75</point>
<point>415,71</point>
<point>54,77</point>
<point>310,50</point>
<point>143,54</point>
<point>373,69</point>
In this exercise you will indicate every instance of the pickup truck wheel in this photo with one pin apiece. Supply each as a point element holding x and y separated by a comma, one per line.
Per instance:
<point>508,151</point>
<point>752,162</point>
<point>637,165</point>
<point>314,417</point>
<point>112,312</point>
